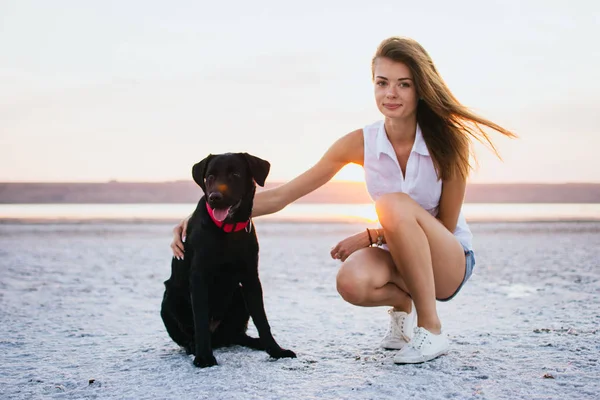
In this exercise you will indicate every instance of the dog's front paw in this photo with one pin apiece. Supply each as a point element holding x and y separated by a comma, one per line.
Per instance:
<point>204,362</point>
<point>281,353</point>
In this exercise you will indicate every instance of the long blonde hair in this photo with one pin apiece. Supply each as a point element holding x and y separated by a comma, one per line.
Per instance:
<point>447,125</point>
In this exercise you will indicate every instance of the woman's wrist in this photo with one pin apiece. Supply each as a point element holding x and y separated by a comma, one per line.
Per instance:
<point>380,237</point>
<point>375,237</point>
<point>372,237</point>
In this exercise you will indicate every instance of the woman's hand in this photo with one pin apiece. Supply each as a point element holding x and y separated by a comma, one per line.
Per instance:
<point>178,239</point>
<point>343,249</point>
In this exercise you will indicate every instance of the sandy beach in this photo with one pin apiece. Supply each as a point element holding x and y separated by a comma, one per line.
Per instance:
<point>79,319</point>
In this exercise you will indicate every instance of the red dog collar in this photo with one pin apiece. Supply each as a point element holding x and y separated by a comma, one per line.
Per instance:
<point>228,227</point>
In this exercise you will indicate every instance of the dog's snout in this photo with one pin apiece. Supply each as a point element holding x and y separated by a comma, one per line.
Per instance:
<point>215,196</point>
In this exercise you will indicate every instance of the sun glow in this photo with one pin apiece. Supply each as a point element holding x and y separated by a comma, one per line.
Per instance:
<point>364,212</point>
<point>351,172</point>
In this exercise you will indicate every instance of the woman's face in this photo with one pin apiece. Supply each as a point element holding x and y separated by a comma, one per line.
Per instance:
<point>395,91</point>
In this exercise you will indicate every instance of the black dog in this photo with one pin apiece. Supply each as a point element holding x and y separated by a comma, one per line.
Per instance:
<point>214,290</point>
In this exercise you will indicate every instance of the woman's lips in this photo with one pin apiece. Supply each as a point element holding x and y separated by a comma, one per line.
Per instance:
<point>392,106</point>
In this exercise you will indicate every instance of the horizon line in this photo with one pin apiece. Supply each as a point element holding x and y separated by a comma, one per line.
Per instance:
<point>285,181</point>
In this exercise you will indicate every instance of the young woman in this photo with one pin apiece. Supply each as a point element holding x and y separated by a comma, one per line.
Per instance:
<point>416,163</point>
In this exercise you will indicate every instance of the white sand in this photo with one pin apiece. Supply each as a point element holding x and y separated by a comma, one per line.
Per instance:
<point>81,302</point>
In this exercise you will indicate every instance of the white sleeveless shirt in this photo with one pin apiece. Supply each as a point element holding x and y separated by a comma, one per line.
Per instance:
<point>383,175</point>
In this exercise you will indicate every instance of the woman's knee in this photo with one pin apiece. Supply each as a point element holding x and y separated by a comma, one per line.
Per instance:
<point>394,209</point>
<point>352,283</point>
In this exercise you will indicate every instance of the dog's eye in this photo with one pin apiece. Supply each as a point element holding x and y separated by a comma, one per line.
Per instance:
<point>210,178</point>
<point>236,175</point>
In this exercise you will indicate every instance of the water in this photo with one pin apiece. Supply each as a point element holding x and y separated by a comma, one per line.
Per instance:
<point>293,212</point>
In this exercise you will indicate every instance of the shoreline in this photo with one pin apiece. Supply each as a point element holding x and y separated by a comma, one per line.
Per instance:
<point>293,213</point>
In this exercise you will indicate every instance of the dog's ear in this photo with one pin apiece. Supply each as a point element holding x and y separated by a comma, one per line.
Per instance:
<point>258,167</point>
<point>199,171</point>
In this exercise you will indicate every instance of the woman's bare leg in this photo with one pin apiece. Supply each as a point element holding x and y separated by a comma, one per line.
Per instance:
<point>427,256</point>
<point>369,278</point>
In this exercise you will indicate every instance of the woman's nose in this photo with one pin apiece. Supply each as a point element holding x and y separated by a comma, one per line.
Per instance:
<point>392,92</point>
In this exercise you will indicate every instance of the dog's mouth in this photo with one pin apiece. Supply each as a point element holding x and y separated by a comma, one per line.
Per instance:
<point>221,214</point>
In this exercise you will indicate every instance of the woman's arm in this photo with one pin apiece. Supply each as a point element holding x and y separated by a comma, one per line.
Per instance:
<point>453,194</point>
<point>348,149</point>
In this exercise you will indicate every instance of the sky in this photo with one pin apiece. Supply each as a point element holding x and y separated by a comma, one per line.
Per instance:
<point>142,90</point>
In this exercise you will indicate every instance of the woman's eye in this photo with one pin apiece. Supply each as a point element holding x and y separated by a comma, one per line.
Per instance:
<point>381,83</point>
<point>404,84</point>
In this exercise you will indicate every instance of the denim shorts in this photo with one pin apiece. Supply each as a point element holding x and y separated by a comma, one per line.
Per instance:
<point>470,265</point>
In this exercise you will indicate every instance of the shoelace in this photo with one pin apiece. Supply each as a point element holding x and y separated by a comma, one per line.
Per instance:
<point>393,329</point>
<point>396,329</point>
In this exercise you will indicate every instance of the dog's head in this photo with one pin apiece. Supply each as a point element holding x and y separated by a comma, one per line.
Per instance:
<point>229,182</point>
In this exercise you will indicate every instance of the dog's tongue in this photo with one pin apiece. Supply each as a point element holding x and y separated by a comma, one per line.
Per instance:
<point>220,213</point>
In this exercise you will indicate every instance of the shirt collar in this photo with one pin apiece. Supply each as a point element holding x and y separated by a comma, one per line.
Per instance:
<point>385,147</point>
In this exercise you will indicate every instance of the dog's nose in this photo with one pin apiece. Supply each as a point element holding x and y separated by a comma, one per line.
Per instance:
<point>215,196</point>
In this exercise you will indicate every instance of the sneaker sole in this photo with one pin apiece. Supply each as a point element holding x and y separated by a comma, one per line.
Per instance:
<point>390,346</point>
<point>420,360</point>
<point>393,347</point>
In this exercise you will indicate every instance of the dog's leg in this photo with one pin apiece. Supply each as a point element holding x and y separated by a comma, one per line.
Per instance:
<point>176,308</point>
<point>244,340</point>
<point>199,291</point>
<point>253,296</point>
<point>175,329</point>
<point>233,327</point>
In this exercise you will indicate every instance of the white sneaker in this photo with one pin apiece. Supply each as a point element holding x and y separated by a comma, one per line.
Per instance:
<point>424,346</point>
<point>401,329</point>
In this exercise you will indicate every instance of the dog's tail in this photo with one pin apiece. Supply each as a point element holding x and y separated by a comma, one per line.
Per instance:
<point>247,341</point>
